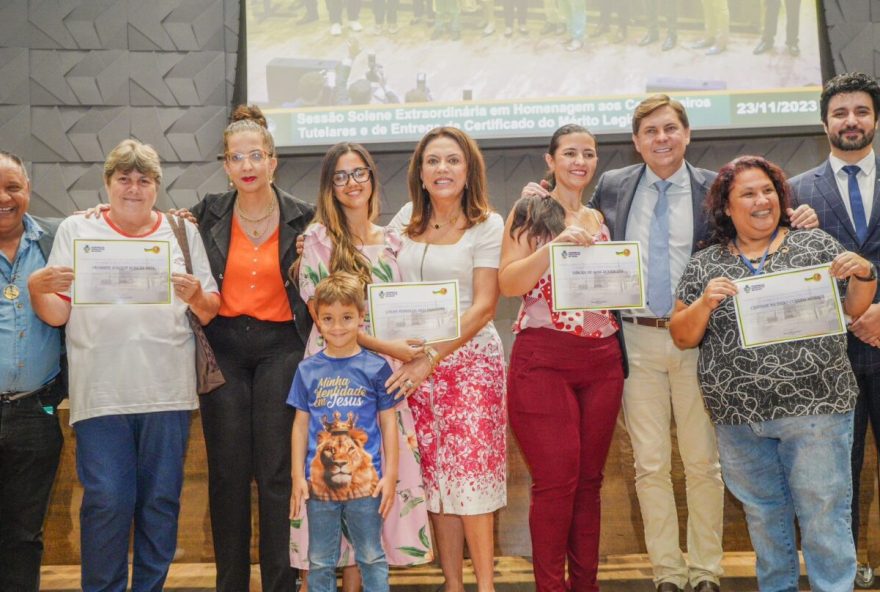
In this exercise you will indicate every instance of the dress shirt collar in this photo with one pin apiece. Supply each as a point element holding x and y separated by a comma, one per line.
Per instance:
<point>680,178</point>
<point>867,164</point>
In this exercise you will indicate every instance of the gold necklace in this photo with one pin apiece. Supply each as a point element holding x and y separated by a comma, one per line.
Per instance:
<point>269,210</point>
<point>450,221</point>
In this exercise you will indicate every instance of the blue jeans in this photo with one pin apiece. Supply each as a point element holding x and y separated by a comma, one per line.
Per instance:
<point>131,469</point>
<point>787,468</point>
<point>363,525</point>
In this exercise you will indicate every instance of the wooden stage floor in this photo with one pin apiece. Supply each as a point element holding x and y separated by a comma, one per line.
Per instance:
<point>617,573</point>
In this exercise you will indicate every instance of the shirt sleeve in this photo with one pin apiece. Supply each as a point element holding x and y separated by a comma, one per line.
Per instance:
<point>62,249</point>
<point>487,244</point>
<point>690,286</point>
<point>317,249</point>
<point>401,219</point>
<point>383,398</point>
<point>200,264</point>
<point>298,397</point>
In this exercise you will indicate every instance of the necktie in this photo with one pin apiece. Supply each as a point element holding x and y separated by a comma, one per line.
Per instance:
<point>659,281</point>
<point>855,202</point>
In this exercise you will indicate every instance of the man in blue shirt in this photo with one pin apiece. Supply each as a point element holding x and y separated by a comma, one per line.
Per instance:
<point>30,386</point>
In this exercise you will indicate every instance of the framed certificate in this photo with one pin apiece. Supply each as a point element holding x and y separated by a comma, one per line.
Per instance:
<point>605,276</point>
<point>423,310</point>
<point>788,306</point>
<point>121,272</point>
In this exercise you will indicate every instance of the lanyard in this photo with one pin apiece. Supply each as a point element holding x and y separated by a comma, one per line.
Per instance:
<point>760,268</point>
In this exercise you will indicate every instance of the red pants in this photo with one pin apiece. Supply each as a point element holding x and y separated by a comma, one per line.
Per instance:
<point>564,395</point>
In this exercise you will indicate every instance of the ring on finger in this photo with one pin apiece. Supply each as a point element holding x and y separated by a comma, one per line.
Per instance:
<point>408,383</point>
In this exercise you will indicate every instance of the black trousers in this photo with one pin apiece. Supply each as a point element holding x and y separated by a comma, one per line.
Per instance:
<point>247,426</point>
<point>30,448</point>
<point>867,410</point>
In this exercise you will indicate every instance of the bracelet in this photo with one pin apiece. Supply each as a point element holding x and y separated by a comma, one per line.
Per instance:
<point>871,276</point>
<point>433,356</point>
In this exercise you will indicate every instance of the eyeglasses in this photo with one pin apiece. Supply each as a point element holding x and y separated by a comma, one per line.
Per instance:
<point>360,175</point>
<point>255,156</point>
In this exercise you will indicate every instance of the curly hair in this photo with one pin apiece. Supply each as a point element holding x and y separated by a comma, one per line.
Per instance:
<point>721,227</point>
<point>850,82</point>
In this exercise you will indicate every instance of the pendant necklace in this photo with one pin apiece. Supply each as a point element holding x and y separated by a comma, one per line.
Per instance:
<point>10,291</point>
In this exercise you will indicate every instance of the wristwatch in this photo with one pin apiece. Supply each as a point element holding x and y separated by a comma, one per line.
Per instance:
<point>871,276</point>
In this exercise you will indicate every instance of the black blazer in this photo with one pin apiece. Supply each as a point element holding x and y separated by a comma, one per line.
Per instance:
<point>214,214</point>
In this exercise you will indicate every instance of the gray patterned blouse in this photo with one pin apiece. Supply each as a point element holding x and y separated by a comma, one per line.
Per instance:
<point>809,377</point>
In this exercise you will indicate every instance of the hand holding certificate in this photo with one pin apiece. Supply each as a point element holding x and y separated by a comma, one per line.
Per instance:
<point>426,310</point>
<point>788,306</point>
<point>121,272</point>
<point>604,276</point>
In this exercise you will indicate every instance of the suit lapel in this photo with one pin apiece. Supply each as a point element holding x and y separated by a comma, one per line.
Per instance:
<point>826,187</point>
<point>627,193</point>
<point>699,189</point>
<point>874,222</point>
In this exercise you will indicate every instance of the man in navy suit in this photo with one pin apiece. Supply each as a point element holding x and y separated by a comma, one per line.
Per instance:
<point>844,192</point>
<point>660,204</point>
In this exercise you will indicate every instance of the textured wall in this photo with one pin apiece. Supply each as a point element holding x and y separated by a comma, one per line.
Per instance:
<point>78,76</point>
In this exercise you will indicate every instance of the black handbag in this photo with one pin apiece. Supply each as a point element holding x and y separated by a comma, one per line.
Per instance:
<point>208,374</point>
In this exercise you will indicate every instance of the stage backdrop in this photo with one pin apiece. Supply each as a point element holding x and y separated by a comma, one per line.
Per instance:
<point>78,76</point>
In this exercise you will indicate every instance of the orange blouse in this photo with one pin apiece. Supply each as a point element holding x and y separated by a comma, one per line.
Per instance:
<point>252,281</point>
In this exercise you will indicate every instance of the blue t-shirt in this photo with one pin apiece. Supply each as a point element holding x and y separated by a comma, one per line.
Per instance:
<point>343,397</point>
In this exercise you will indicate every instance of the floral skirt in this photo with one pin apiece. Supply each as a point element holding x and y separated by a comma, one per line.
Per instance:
<point>461,423</point>
<point>405,535</point>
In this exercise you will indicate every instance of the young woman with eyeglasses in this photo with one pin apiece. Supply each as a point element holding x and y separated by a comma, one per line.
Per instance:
<point>259,338</point>
<point>344,237</point>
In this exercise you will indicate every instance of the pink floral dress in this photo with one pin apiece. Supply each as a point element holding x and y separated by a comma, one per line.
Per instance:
<point>460,411</point>
<point>405,535</point>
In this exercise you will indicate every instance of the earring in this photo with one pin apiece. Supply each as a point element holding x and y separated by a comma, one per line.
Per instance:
<point>423,186</point>
<point>231,184</point>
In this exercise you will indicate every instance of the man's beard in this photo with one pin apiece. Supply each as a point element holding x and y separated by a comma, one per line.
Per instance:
<point>841,143</point>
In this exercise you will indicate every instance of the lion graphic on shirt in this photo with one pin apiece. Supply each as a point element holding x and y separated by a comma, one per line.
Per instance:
<point>342,468</point>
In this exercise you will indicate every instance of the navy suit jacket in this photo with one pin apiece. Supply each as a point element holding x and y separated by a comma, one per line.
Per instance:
<point>818,189</point>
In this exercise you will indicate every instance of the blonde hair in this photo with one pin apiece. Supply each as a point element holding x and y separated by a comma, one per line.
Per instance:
<point>130,155</point>
<point>249,118</point>
<point>340,287</point>
<point>474,200</point>
<point>345,256</point>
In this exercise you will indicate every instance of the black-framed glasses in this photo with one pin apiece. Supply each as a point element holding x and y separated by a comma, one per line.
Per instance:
<point>255,156</point>
<point>360,175</point>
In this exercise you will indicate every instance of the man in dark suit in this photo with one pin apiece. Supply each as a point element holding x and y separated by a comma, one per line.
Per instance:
<point>640,203</point>
<point>846,196</point>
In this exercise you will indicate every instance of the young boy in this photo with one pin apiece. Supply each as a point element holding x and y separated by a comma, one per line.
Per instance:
<point>337,450</point>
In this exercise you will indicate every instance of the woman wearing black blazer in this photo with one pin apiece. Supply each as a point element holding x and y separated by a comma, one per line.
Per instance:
<point>258,338</point>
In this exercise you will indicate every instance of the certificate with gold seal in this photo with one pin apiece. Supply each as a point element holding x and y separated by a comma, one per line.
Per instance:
<point>788,305</point>
<point>420,310</point>
<point>121,272</point>
<point>604,276</point>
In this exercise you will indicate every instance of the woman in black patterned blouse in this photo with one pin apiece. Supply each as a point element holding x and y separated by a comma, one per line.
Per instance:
<point>783,411</point>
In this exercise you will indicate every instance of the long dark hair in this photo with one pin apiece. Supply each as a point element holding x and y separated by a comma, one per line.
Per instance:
<point>556,138</point>
<point>542,218</point>
<point>721,226</point>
